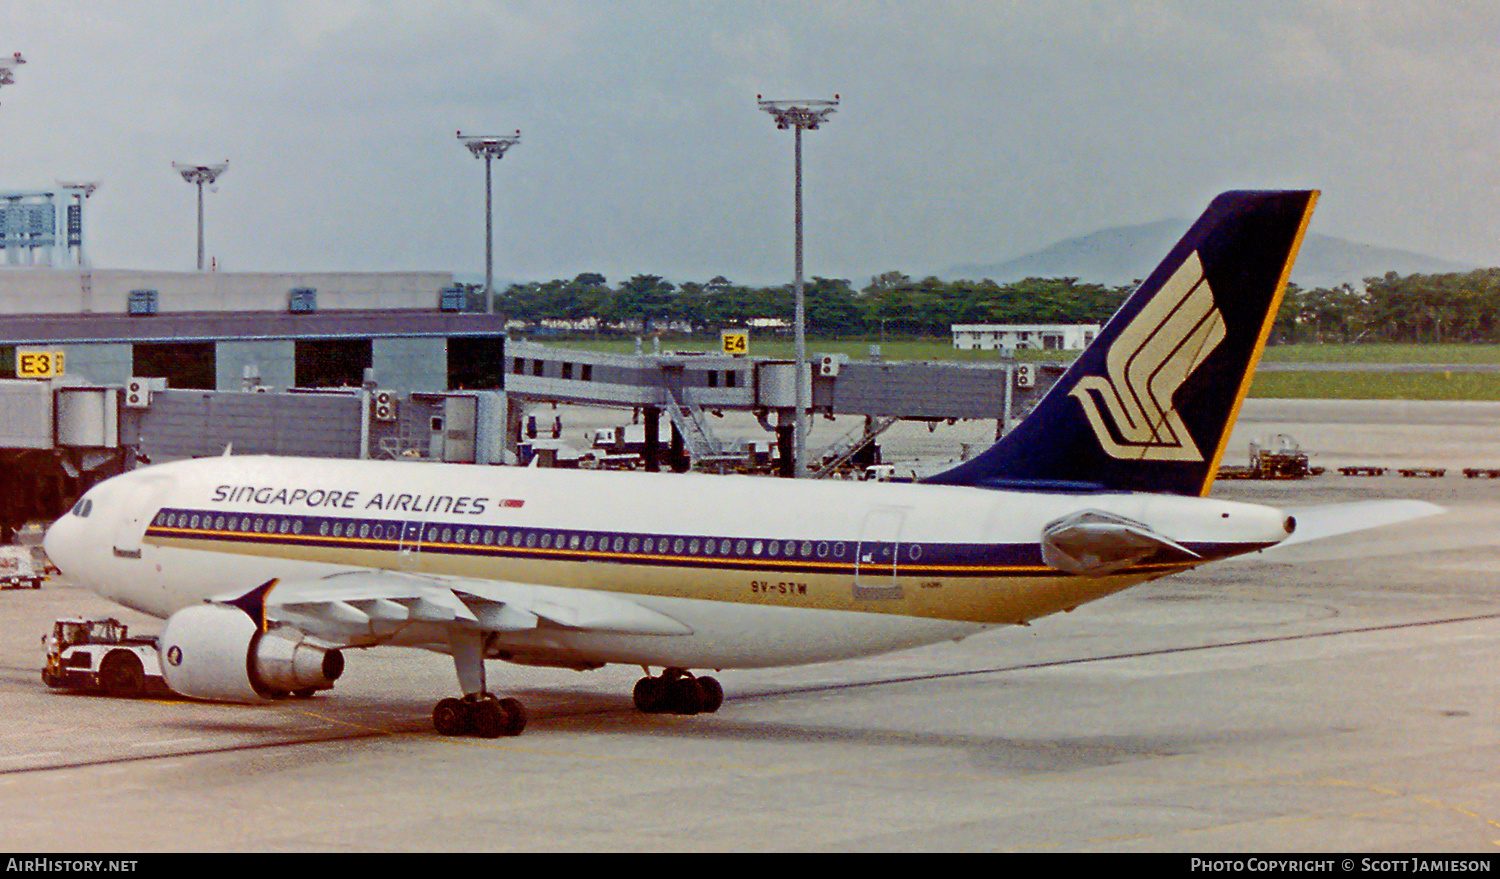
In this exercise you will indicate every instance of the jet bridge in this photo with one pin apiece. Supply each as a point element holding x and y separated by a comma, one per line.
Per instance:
<point>59,437</point>
<point>686,385</point>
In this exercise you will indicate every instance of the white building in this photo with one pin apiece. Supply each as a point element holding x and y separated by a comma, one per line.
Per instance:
<point>1048,337</point>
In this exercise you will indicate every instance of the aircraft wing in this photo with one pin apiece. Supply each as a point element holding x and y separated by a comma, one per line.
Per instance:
<point>365,608</point>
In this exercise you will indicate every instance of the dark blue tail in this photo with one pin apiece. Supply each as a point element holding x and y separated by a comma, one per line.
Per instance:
<point>1150,404</point>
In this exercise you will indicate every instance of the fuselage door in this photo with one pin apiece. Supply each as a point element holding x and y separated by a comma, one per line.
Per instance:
<point>409,555</point>
<point>136,503</point>
<point>877,558</point>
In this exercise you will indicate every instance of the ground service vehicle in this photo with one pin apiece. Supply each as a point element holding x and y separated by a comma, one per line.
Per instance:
<point>100,655</point>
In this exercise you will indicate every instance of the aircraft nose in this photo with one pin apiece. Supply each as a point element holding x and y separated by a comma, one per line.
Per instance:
<point>55,543</point>
<point>65,539</point>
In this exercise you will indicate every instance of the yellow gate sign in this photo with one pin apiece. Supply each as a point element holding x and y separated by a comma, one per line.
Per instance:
<point>39,364</point>
<point>734,342</point>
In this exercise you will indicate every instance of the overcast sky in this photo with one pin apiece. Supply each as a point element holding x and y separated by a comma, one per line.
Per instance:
<point>966,132</point>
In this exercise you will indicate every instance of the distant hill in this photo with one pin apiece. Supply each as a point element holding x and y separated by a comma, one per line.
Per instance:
<point>1128,253</point>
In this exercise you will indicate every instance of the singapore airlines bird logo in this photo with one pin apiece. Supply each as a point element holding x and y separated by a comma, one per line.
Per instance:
<point>1153,356</point>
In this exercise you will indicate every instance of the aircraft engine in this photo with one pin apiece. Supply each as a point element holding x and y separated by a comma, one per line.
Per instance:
<point>215,652</point>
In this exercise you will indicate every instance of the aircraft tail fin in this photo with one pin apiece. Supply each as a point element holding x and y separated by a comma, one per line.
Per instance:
<point>1150,404</point>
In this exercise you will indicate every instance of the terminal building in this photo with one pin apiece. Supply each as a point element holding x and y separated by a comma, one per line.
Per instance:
<point>1039,337</point>
<point>150,366</point>
<point>226,331</point>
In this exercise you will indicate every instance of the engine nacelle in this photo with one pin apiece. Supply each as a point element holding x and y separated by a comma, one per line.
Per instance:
<point>215,652</point>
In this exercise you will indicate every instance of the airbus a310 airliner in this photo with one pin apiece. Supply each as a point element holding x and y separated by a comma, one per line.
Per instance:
<point>266,568</point>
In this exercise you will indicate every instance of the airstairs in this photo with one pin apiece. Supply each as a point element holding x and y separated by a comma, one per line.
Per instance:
<point>844,450</point>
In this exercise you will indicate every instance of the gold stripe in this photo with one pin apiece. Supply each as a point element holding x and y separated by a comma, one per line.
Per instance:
<point>1260,344</point>
<point>1006,596</point>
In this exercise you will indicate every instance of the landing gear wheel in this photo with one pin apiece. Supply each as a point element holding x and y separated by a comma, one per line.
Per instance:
<point>650,695</point>
<point>713,694</point>
<point>488,719</point>
<point>450,717</point>
<point>686,697</point>
<point>483,716</point>
<point>677,692</point>
<point>515,714</point>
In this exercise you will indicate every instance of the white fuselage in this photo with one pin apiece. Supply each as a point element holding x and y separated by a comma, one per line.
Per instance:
<point>760,571</point>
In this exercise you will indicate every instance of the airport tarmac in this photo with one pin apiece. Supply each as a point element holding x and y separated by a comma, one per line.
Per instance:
<point>1338,698</point>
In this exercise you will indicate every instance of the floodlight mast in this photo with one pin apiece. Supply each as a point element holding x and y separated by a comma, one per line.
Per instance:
<point>799,115</point>
<point>489,147</point>
<point>199,175</point>
<point>8,68</point>
<point>81,192</point>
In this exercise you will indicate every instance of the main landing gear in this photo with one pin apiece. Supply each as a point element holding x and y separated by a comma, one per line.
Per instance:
<point>676,691</point>
<point>479,715</point>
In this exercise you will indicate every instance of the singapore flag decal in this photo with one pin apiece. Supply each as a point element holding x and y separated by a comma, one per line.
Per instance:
<point>1153,356</point>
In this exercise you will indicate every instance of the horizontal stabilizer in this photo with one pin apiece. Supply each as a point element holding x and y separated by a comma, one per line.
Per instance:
<point>1332,520</point>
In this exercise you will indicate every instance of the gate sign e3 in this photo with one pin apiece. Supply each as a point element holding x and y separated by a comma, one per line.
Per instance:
<point>39,364</point>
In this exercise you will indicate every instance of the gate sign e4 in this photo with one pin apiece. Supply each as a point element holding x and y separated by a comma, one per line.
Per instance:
<point>734,342</point>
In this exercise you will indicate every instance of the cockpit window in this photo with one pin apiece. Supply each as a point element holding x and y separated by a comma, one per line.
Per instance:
<point>83,508</point>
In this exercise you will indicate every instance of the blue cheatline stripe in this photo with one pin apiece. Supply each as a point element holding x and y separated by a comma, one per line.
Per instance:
<point>503,543</point>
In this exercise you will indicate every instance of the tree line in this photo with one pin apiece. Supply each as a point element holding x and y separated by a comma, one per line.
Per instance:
<point>1455,307</point>
<point>891,303</point>
<point>1459,307</point>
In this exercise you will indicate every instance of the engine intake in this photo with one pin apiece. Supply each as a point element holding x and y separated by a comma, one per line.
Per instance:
<point>215,652</point>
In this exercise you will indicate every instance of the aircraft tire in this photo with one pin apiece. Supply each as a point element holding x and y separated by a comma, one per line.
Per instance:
<point>515,716</point>
<point>650,695</point>
<point>713,694</point>
<point>489,720</point>
<point>450,717</point>
<point>684,696</point>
